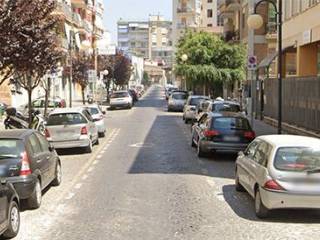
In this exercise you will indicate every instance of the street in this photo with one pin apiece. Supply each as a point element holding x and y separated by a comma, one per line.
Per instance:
<point>144,181</point>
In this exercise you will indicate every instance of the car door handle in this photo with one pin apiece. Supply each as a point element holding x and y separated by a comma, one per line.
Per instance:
<point>39,160</point>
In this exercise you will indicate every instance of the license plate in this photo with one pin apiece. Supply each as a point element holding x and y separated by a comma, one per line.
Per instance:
<point>231,138</point>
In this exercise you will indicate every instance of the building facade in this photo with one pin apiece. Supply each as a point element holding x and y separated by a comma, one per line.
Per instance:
<point>133,37</point>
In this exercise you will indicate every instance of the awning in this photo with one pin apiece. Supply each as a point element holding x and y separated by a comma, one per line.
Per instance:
<point>268,60</point>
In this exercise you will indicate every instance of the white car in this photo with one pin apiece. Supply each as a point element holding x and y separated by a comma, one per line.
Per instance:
<point>71,128</point>
<point>99,118</point>
<point>121,99</point>
<point>190,109</point>
<point>280,171</point>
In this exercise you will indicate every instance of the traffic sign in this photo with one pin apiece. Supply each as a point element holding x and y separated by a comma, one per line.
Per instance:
<point>252,62</point>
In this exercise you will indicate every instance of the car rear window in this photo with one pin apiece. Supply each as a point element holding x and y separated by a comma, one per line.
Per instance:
<point>119,95</point>
<point>297,159</point>
<point>231,123</point>
<point>66,119</point>
<point>195,101</point>
<point>93,111</point>
<point>11,148</point>
<point>223,107</point>
<point>179,96</point>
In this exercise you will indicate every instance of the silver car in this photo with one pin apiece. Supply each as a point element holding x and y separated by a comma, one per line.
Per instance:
<point>98,116</point>
<point>71,128</point>
<point>280,171</point>
<point>177,100</point>
<point>190,109</point>
<point>121,99</point>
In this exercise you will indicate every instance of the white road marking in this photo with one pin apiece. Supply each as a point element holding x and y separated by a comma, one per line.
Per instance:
<point>95,162</point>
<point>78,186</point>
<point>70,195</point>
<point>84,177</point>
<point>99,156</point>
<point>90,169</point>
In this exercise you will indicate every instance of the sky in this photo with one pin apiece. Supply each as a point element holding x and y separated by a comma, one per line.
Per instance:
<point>133,9</point>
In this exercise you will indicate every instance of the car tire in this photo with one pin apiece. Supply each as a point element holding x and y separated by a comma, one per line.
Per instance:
<point>260,210</point>
<point>200,152</point>
<point>238,186</point>
<point>97,141</point>
<point>34,201</point>
<point>58,176</point>
<point>192,143</point>
<point>88,149</point>
<point>13,221</point>
<point>102,134</point>
<point>186,121</point>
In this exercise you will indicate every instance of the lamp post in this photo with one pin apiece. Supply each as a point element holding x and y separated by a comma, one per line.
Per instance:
<point>184,59</point>
<point>255,21</point>
<point>84,45</point>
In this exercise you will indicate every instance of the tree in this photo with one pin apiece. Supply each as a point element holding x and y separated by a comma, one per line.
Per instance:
<point>211,61</point>
<point>80,67</point>
<point>29,37</point>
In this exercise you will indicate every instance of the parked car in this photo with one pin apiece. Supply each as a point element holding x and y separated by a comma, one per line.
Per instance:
<point>99,118</point>
<point>121,99</point>
<point>280,171</point>
<point>221,132</point>
<point>72,128</point>
<point>190,109</point>
<point>39,105</point>
<point>9,206</point>
<point>223,106</point>
<point>169,91</point>
<point>177,100</point>
<point>133,93</point>
<point>140,90</point>
<point>30,163</point>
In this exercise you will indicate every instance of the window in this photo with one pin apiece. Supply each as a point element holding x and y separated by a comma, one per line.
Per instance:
<point>209,25</point>
<point>43,142</point>
<point>262,153</point>
<point>231,123</point>
<point>35,144</point>
<point>209,13</point>
<point>209,1</point>
<point>10,148</point>
<point>37,103</point>
<point>250,151</point>
<point>203,119</point>
<point>66,119</point>
<point>87,115</point>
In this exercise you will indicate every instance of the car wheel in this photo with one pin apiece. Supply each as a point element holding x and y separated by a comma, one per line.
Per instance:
<point>14,221</point>
<point>200,152</point>
<point>88,149</point>
<point>192,143</point>
<point>260,209</point>
<point>186,121</point>
<point>238,186</point>
<point>34,201</point>
<point>102,134</point>
<point>58,176</point>
<point>97,141</point>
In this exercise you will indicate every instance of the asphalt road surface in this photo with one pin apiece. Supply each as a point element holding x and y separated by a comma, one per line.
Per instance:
<point>144,181</point>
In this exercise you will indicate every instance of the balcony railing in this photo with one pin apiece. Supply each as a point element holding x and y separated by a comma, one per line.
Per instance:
<point>187,9</point>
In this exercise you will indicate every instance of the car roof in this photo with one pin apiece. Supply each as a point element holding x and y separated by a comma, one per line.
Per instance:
<point>199,96</point>
<point>16,133</point>
<point>291,140</point>
<point>67,110</point>
<point>225,102</point>
<point>122,91</point>
<point>179,91</point>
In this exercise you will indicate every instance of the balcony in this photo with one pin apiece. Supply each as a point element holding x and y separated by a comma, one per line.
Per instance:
<point>79,3</point>
<point>185,9</point>
<point>63,11</point>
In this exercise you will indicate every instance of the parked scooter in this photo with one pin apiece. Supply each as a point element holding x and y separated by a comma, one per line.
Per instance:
<point>16,120</point>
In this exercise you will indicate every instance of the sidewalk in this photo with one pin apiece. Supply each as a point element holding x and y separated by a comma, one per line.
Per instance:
<point>262,128</point>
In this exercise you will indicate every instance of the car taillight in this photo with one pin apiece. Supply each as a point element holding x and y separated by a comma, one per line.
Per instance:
<point>273,185</point>
<point>250,134</point>
<point>211,133</point>
<point>25,165</point>
<point>47,133</point>
<point>84,131</point>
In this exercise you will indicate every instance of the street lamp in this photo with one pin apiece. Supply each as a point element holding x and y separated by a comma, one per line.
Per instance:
<point>255,21</point>
<point>184,58</point>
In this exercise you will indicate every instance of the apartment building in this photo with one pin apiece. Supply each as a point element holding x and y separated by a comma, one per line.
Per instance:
<point>133,37</point>
<point>160,40</point>
<point>198,15</point>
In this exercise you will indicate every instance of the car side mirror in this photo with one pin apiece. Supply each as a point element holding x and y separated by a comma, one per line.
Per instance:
<point>104,112</point>
<point>51,148</point>
<point>3,181</point>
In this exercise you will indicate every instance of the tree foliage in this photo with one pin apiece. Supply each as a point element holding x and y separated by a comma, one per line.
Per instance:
<point>28,43</point>
<point>210,59</point>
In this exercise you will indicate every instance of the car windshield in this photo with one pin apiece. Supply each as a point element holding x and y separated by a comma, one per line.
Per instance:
<point>10,148</point>
<point>179,96</point>
<point>66,119</point>
<point>231,123</point>
<point>224,107</point>
<point>93,111</point>
<point>119,95</point>
<point>195,101</point>
<point>297,158</point>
